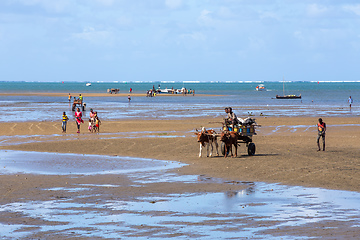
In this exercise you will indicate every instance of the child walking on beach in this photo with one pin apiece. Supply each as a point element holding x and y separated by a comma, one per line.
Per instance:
<point>90,125</point>
<point>97,123</point>
<point>64,122</point>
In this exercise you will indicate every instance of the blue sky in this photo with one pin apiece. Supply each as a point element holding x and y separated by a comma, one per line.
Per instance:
<point>177,40</point>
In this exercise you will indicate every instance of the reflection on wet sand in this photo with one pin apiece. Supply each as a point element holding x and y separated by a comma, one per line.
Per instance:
<point>136,203</point>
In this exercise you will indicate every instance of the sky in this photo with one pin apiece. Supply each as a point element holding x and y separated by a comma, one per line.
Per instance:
<point>179,40</point>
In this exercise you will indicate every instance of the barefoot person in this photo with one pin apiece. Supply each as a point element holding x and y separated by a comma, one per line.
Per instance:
<point>78,116</point>
<point>64,122</point>
<point>321,133</point>
<point>350,100</point>
<point>97,123</point>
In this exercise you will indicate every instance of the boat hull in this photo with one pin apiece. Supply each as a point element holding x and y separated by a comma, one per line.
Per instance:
<point>288,97</point>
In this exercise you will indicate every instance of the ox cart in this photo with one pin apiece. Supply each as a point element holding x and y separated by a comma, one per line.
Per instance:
<point>244,135</point>
<point>113,90</point>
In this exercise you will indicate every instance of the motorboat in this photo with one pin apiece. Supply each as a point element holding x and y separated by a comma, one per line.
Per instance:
<point>171,90</point>
<point>88,84</point>
<point>260,87</point>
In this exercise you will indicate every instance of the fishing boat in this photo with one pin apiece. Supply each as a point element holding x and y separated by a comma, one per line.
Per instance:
<point>88,84</point>
<point>287,96</point>
<point>261,87</point>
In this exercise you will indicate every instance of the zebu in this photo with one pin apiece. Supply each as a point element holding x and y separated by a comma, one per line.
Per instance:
<point>206,138</point>
<point>229,139</point>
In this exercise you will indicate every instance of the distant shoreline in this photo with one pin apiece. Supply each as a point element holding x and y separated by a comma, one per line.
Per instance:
<point>54,94</point>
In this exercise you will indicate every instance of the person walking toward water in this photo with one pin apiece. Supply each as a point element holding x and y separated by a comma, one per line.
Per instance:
<point>350,100</point>
<point>129,97</point>
<point>78,116</point>
<point>321,133</point>
<point>64,122</point>
<point>69,97</point>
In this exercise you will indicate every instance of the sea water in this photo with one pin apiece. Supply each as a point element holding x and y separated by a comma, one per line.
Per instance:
<point>318,99</point>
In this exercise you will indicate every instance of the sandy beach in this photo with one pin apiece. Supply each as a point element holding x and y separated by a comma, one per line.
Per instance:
<point>285,153</point>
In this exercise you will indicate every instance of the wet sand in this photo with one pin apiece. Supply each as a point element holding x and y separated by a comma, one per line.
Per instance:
<point>285,148</point>
<point>285,153</point>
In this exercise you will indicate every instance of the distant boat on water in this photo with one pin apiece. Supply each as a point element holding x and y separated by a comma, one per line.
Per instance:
<point>261,87</point>
<point>288,96</point>
<point>292,96</point>
<point>88,84</point>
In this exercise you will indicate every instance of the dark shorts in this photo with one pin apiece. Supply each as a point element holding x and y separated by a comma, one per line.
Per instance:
<point>321,135</point>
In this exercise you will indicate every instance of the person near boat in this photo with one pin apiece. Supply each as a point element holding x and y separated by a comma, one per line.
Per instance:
<point>321,133</point>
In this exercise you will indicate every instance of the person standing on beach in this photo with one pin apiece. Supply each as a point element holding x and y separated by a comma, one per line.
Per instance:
<point>64,122</point>
<point>69,97</point>
<point>78,116</point>
<point>321,133</point>
<point>350,100</point>
<point>92,116</point>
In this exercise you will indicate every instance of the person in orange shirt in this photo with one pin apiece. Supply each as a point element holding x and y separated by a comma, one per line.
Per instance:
<point>321,133</point>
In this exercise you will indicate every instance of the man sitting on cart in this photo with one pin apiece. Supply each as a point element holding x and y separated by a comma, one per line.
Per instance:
<point>231,120</point>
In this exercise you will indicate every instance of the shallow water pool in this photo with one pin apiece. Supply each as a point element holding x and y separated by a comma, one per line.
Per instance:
<point>105,210</point>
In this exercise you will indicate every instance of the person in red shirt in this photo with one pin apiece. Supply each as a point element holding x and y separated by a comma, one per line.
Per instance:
<point>78,117</point>
<point>321,133</point>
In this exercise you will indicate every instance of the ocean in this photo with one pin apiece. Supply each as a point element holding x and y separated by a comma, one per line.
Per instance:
<point>319,99</point>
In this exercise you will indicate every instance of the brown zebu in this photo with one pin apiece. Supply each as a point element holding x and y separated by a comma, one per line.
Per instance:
<point>206,138</point>
<point>229,139</point>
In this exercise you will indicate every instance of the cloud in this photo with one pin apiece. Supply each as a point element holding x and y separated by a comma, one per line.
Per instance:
<point>225,12</point>
<point>106,2</point>
<point>316,10</point>
<point>57,6</point>
<point>205,18</point>
<point>173,4</point>
<point>197,36</point>
<point>93,36</point>
<point>353,8</point>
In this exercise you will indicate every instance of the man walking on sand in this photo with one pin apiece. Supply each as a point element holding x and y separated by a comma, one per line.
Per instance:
<point>321,133</point>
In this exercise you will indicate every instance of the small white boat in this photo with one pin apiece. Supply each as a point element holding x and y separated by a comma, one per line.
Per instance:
<point>170,90</point>
<point>88,84</point>
<point>261,87</point>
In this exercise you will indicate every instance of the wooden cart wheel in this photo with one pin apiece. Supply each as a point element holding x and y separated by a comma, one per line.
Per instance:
<point>222,148</point>
<point>251,149</point>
